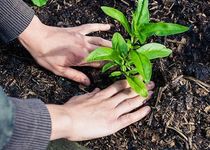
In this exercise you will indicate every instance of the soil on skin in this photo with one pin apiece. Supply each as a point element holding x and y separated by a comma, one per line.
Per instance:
<point>180,118</point>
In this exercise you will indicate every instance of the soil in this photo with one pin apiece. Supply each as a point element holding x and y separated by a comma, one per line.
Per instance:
<point>181,105</point>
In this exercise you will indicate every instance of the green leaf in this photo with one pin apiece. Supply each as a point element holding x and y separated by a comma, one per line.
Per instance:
<point>119,44</point>
<point>39,3</point>
<point>138,85</point>
<point>115,74</point>
<point>101,53</point>
<point>141,15</point>
<point>154,50</point>
<point>108,66</point>
<point>133,72</point>
<point>118,15</point>
<point>159,29</point>
<point>142,37</point>
<point>143,65</point>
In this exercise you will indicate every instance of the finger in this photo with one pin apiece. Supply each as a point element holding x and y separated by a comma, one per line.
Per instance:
<point>89,95</point>
<point>91,47</point>
<point>131,118</point>
<point>94,27</point>
<point>122,96</point>
<point>114,89</point>
<point>150,85</point>
<point>96,90</point>
<point>73,75</point>
<point>131,104</point>
<point>98,64</point>
<point>99,41</point>
<point>126,94</point>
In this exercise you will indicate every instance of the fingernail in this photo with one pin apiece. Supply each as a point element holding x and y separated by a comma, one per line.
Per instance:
<point>96,90</point>
<point>111,25</point>
<point>148,109</point>
<point>149,96</point>
<point>144,101</point>
<point>151,83</point>
<point>86,82</point>
<point>150,93</point>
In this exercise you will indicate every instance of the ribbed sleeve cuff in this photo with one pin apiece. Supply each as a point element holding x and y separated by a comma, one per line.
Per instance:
<point>15,16</point>
<point>6,119</point>
<point>32,127</point>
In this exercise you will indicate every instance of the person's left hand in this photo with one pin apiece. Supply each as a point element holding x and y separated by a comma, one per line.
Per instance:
<point>99,113</point>
<point>57,49</point>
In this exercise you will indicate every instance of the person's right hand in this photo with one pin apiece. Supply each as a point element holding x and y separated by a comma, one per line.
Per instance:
<point>99,113</point>
<point>59,49</point>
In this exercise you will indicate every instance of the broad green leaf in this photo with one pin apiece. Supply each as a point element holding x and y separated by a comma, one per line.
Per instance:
<point>141,15</point>
<point>115,74</point>
<point>143,65</point>
<point>39,3</point>
<point>138,85</point>
<point>119,44</point>
<point>118,15</point>
<point>101,53</point>
<point>142,37</point>
<point>154,50</point>
<point>108,66</point>
<point>159,29</point>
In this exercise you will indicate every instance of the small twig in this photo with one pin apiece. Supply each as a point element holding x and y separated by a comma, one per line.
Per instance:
<point>170,120</point>
<point>134,136</point>
<point>176,42</point>
<point>177,79</point>
<point>200,83</point>
<point>160,93</point>
<point>150,119</point>
<point>82,87</point>
<point>126,3</point>
<point>179,132</point>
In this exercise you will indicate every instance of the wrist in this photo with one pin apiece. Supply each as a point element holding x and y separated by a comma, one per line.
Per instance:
<point>60,121</point>
<point>35,32</point>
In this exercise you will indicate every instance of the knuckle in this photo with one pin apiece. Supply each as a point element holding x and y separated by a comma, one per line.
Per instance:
<point>56,72</point>
<point>99,94</point>
<point>128,118</point>
<point>61,70</point>
<point>100,40</point>
<point>128,91</point>
<point>118,83</point>
<point>86,46</point>
<point>77,35</point>
<point>129,103</point>
<point>86,25</point>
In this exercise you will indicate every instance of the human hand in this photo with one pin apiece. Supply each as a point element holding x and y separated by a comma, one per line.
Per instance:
<point>57,49</point>
<point>99,113</point>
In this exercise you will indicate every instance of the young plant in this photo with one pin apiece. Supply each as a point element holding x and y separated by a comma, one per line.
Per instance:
<point>132,56</point>
<point>39,3</point>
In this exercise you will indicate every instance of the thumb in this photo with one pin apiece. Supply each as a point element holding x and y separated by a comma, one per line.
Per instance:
<point>74,75</point>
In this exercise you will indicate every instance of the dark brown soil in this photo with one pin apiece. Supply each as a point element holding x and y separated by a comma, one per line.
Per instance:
<point>181,106</point>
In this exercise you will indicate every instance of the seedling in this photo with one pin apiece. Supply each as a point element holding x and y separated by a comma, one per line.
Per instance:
<point>39,3</point>
<point>132,56</point>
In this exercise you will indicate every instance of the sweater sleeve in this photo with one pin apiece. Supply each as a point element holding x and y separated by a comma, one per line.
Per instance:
<point>15,16</point>
<point>32,125</point>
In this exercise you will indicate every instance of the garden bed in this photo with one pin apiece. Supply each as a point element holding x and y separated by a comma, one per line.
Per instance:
<point>181,105</point>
